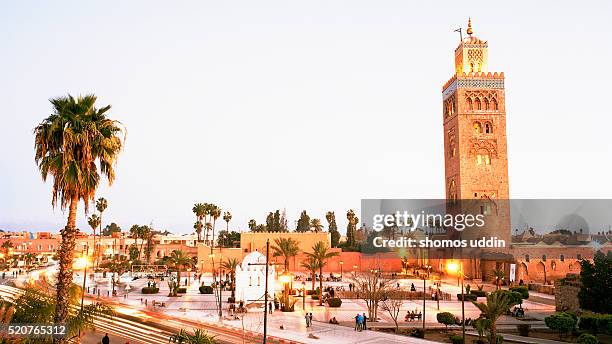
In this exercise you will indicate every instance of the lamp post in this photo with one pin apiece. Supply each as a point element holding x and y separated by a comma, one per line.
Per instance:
<point>341,264</point>
<point>454,267</point>
<point>81,263</point>
<point>424,281</point>
<point>304,295</point>
<point>188,276</point>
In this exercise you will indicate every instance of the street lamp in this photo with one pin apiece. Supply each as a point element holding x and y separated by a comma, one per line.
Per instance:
<point>304,295</point>
<point>285,279</point>
<point>81,264</point>
<point>341,264</point>
<point>458,268</point>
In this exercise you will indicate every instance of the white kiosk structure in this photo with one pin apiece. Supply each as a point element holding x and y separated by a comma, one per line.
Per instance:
<point>251,279</point>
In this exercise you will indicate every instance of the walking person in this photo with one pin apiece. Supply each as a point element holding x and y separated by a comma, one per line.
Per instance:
<point>357,322</point>
<point>310,319</point>
<point>307,317</point>
<point>365,319</point>
<point>105,339</point>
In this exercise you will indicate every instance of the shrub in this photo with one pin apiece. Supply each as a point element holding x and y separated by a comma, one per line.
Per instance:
<point>206,289</point>
<point>561,322</point>
<point>500,339</point>
<point>314,296</point>
<point>334,302</point>
<point>523,329</point>
<point>523,290</point>
<point>596,323</point>
<point>456,339</point>
<point>478,293</point>
<point>467,297</point>
<point>150,290</point>
<point>446,318</point>
<point>181,290</point>
<point>418,333</point>
<point>587,338</point>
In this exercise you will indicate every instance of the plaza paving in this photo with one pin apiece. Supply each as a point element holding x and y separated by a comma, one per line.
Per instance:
<point>202,308</point>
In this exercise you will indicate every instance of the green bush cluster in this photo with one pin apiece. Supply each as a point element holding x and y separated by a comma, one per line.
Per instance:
<point>334,302</point>
<point>596,323</point>
<point>562,322</point>
<point>523,290</point>
<point>150,290</point>
<point>456,339</point>
<point>587,338</point>
<point>206,289</point>
<point>445,318</point>
<point>181,290</point>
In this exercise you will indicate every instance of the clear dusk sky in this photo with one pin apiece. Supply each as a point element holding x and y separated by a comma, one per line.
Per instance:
<point>261,105</point>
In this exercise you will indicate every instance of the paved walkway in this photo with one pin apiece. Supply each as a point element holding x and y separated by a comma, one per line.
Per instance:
<point>521,339</point>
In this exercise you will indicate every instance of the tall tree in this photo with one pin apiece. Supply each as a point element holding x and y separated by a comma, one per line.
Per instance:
<point>596,278</point>
<point>351,228</point>
<point>199,209</point>
<point>320,253</point>
<point>276,223</point>
<point>333,228</point>
<point>70,145</point>
<point>215,213</point>
<point>286,248</point>
<point>227,217</point>
<point>101,205</point>
<point>94,222</point>
<point>316,225</point>
<point>252,225</point>
<point>303,224</point>
<point>270,222</point>
<point>198,228</point>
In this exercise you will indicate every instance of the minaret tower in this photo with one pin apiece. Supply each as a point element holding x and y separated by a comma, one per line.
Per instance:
<point>475,152</point>
<point>474,115</point>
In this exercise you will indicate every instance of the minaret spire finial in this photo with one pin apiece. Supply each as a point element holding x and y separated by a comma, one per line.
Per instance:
<point>469,28</point>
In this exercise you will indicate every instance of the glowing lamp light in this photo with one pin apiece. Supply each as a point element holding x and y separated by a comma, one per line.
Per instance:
<point>452,267</point>
<point>284,278</point>
<point>80,263</point>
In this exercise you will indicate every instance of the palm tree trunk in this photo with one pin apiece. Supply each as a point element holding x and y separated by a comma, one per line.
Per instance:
<point>66,252</point>
<point>493,332</point>
<point>321,286</point>
<point>97,255</point>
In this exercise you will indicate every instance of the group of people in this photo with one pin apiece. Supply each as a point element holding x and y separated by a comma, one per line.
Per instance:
<point>361,322</point>
<point>411,315</point>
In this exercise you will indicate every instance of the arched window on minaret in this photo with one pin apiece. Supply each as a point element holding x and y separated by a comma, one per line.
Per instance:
<point>486,101</point>
<point>488,128</point>
<point>477,128</point>
<point>469,104</point>
<point>494,104</point>
<point>478,104</point>
<point>471,67</point>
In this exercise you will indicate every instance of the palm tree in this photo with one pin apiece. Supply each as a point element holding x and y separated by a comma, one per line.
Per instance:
<point>320,253</point>
<point>286,248</point>
<point>215,213</point>
<point>101,205</point>
<point>311,265</point>
<point>179,260</point>
<point>70,144</point>
<point>198,228</point>
<point>145,234</point>
<point>316,225</point>
<point>252,225</point>
<point>28,258</point>
<point>230,265</point>
<point>199,209</point>
<point>497,304</point>
<point>198,337</point>
<point>227,217</point>
<point>94,222</point>
<point>39,306</point>
<point>499,276</point>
